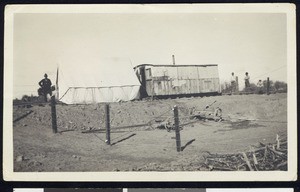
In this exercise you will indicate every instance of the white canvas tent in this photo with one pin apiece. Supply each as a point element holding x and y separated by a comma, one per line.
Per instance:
<point>104,80</point>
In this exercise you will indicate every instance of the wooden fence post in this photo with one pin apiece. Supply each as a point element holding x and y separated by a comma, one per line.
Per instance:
<point>53,114</point>
<point>107,124</point>
<point>177,131</point>
<point>268,86</point>
<point>237,85</point>
<point>152,95</point>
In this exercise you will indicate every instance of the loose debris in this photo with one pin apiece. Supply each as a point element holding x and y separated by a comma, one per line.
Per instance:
<point>20,158</point>
<point>167,124</point>
<point>208,113</point>
<point>265,157</point>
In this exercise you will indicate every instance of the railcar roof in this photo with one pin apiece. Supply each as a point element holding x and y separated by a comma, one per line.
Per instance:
<point>164,65</point>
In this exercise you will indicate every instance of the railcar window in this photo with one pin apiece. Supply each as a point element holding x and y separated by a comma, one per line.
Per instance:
<point>148,74</point>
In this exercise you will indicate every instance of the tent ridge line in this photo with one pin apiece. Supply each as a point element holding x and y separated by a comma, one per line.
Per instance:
<point>103,87</point>
<point>64,94</point>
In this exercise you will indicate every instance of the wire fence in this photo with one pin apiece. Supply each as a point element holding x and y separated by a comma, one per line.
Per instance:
<point>271,71</point>
<point>166,122</point>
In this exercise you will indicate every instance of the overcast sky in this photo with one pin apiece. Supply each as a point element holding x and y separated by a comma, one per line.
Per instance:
<point>237,42</point>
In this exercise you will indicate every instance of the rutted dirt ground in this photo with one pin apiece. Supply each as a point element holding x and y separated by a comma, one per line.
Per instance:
<point>36,148</point>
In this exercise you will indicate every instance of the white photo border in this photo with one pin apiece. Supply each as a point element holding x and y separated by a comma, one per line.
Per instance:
<point>290,175</point>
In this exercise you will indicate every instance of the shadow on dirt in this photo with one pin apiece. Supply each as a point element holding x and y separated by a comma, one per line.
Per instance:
<point>123,139</point>
<point>246,124</point>
<point>23,116</point>
<point>67,130</point>
<point>187,144</point>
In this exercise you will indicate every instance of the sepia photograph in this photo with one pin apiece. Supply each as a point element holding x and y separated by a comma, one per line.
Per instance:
<point>184,92</point>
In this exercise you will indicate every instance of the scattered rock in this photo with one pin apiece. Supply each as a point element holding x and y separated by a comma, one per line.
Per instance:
<point>24,125</point>
<point>20,158</point>
<point>37,163</point>
<point>57,168</point>
<point>74,156</point>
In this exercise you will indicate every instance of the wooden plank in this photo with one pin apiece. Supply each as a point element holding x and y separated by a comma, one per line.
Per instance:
<point>247,161</point>
<point>116,128</point>
<point>30,103</point>
<point>277,152</point>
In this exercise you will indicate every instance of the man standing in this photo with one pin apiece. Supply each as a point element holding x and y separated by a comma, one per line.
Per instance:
<point>233,83</point>
<point>46,86</point>
<point>260,87</point>
<point>247,81</point>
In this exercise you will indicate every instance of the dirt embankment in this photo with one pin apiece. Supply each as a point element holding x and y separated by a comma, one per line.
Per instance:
<point>36,148</point>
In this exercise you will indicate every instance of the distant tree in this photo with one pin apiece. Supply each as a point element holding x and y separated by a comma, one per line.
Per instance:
<point>280,86</point>
<point>26,98</point>
<point>271,88</point>
<point>252,88</point>
<point>277,86</point>
<point>226,87</point>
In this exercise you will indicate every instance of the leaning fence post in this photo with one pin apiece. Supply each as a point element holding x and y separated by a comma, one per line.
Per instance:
<point>268,86</point>
<point>107,124</point>
<point>53,114</point>
<point>177,131</point>
<point>237,85</point>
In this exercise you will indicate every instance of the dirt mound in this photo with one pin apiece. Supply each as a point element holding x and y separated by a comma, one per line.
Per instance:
<point>253,118</point>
